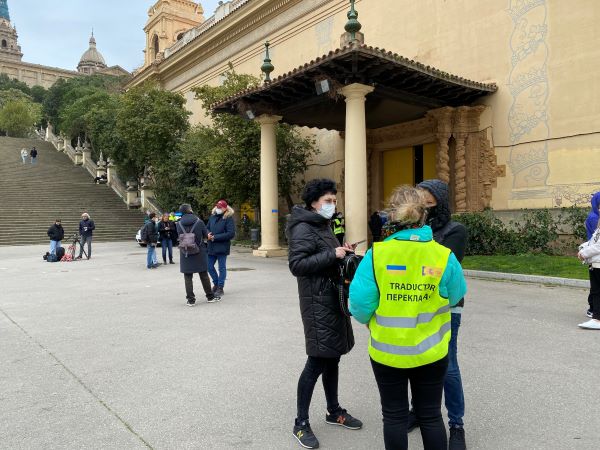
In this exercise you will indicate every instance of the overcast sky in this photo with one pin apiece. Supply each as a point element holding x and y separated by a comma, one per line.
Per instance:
<point>56,32</point>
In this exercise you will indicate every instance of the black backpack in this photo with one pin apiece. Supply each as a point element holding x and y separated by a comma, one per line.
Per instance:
<point>60,252</point>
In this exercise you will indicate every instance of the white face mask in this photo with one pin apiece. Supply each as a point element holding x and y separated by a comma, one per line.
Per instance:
<point>327,210</point>
<point>218,211</point>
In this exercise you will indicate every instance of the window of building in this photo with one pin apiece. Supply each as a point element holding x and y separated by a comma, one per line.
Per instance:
<point>4,43</point>
<point>180,36</point>
<point>155,47</point>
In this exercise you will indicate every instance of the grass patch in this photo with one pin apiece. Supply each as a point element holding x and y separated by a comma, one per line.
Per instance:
<point>551,266</point>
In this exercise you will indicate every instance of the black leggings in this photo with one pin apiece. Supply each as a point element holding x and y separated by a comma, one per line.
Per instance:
<point>329,369</point>
<point>426,384</point>
<point>594,296</point>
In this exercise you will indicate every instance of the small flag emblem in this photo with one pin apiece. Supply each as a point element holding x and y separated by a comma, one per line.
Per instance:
<point>432,271</point>
<point>396,270</point>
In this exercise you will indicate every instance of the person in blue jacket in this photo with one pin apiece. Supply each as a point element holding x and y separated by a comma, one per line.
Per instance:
<point>591,223</point>
<point>403,289</point>
<point>221,229</point>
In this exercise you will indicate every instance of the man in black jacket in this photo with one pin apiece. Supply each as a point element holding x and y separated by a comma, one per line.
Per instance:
<point>86,229</point>
<point>56,234</point>
<point>149,235</point>
<point>452,235</point>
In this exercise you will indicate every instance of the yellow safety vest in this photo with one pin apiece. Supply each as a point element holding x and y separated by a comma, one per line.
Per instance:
<point>411,326</point>
<point>338,226</point>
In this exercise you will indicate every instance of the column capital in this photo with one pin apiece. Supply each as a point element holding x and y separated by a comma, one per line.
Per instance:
<point>356,90</point>
<point>267,119</point>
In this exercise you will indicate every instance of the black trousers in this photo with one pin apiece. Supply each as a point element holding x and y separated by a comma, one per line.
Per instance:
<point>328,369</point>
<point>426,384</point>
<point>595,292</point>
<point>189,285</point>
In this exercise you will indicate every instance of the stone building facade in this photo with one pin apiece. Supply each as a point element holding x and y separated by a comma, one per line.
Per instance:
<point>532,143</point>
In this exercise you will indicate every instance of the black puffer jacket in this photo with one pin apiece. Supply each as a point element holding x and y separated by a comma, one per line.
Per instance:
<point>327,331</point>
<point>56,233</point>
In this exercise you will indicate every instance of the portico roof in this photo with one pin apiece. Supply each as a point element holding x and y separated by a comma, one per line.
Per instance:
<point>404,90</point>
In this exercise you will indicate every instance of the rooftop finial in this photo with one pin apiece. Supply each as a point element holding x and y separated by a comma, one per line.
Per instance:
<point>353,26</point>
<point>4,10</point>
<point>267,67</point>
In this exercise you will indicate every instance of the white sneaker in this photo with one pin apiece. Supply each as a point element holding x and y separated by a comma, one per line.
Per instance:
<point>590,325</point>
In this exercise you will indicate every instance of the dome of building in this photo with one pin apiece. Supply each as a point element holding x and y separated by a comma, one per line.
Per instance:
<point>92,59</point>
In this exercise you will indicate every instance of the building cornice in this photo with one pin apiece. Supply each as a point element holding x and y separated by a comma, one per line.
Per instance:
<point>8,62</point>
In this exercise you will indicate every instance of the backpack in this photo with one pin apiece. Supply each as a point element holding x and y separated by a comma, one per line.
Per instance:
<point>346,268</point>
<point>60,252</point>
<point>52,257</point>
<point>187,241</point>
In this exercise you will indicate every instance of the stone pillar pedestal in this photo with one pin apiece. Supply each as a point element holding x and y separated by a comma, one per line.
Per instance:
<point>110,170</point>
<point>78,157</point>
<point>87,153</point>
<point>132,199</point>
<point>356,179</point>
<point>145,193</point>
<point>269,193</point>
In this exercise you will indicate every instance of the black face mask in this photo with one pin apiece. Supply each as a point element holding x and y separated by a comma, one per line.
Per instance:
<point>432,214</point>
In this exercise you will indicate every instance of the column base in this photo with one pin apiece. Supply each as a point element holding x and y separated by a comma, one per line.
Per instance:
<point>270,252</point>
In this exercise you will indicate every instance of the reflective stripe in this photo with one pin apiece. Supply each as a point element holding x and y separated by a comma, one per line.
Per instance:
<point>409,322</point>
<point>418,349</point>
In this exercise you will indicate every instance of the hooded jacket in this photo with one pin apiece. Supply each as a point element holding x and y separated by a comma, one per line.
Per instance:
<point>223,228</point>
<point>450,234</point>
<point>591,223</point>
<point>590,250</point>
<point>56,232</point>
<point>327,331</point>
<point>199,262</point>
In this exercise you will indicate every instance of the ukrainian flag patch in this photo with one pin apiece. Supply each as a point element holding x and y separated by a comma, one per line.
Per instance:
<point>395,269</point>
<point>427,271</point>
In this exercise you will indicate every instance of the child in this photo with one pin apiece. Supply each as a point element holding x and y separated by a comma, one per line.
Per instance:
<point>589,253</point>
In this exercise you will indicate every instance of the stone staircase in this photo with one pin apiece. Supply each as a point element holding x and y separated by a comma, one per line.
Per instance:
<point>33,196</point>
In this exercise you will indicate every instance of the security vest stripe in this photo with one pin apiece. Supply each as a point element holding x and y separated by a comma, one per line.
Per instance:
<point>412,350</point>
<point>410,322</point>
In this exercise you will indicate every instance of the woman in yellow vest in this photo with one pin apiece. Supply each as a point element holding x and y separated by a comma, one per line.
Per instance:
<point>403,290</point>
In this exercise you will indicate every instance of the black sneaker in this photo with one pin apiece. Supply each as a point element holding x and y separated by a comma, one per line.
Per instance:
<point>589,313</point>
<point>304,435</point>
<point>214,299</point>
<point>191,302</point>
<point>412,421</point>
<point>457,439</point>
<point>343,419</point>
<point>219,292</point>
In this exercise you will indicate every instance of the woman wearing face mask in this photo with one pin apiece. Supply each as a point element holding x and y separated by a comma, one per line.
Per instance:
<point>313,259</point>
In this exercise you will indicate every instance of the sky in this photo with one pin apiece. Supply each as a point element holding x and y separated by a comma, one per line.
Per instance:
<point>56,32</point>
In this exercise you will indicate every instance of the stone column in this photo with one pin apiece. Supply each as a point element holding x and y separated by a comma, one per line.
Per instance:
<point>443,158</point>
<point>460,170</point>
<point>269,191</point>
<point>87,153</point>
<point>110,170</point>
<point>132,195</point>
<point>355,163</point>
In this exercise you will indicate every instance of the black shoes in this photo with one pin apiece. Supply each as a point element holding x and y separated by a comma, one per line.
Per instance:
<point>343,419</point>
<point>589,313</point>
<point>457,439</point>
<point>412,421</point>
<point>219,292</point>
<point>214,299</point>
<point>191,302</point>
<point>304,434</point>
<point>170,262</point>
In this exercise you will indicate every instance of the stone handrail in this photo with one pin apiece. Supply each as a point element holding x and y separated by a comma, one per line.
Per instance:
<point>118,186</point>
<point>70,151</point>
<point>151,205</point>
<point>91,167</point>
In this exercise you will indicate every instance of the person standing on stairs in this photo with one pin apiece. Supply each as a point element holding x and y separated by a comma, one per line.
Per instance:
<point>33,155</point>
<point>86,229</point>
<point>24,154</point>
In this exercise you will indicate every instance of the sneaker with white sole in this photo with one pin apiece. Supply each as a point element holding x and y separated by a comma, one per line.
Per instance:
<point>343,419</point>
<point>214,299</point>
<point>590,325</point>
<point>589,313</point>
<point>304,435</point>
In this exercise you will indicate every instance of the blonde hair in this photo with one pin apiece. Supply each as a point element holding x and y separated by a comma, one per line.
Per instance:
<point>407,205</point>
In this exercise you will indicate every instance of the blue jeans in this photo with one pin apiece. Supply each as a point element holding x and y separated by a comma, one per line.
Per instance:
<point>453,390</point>
<point>218,278</point>
<point>151,257</point>
<point>53,246</point>
<point>167,243</point>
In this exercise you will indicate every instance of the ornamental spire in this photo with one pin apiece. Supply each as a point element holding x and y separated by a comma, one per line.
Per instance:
<point>267,67</point>
<point>352,27</point>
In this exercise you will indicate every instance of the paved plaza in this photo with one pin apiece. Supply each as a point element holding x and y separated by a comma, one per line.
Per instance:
<point>105,354</point>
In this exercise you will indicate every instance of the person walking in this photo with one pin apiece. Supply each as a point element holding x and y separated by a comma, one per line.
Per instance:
<point>191,263</point>
<point>338,224</point>
<point>403,289</point>
<point>314,253</point>
<point>591,223</point>
<point>86,230</point>
<point>589,253</point>
<point>150,237</point>
<point>24,154</point>
<point>33,155</point>
<point>168,234</point>
<point>452,235</point>
<point>56,233</point>
<point>221,230</point>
